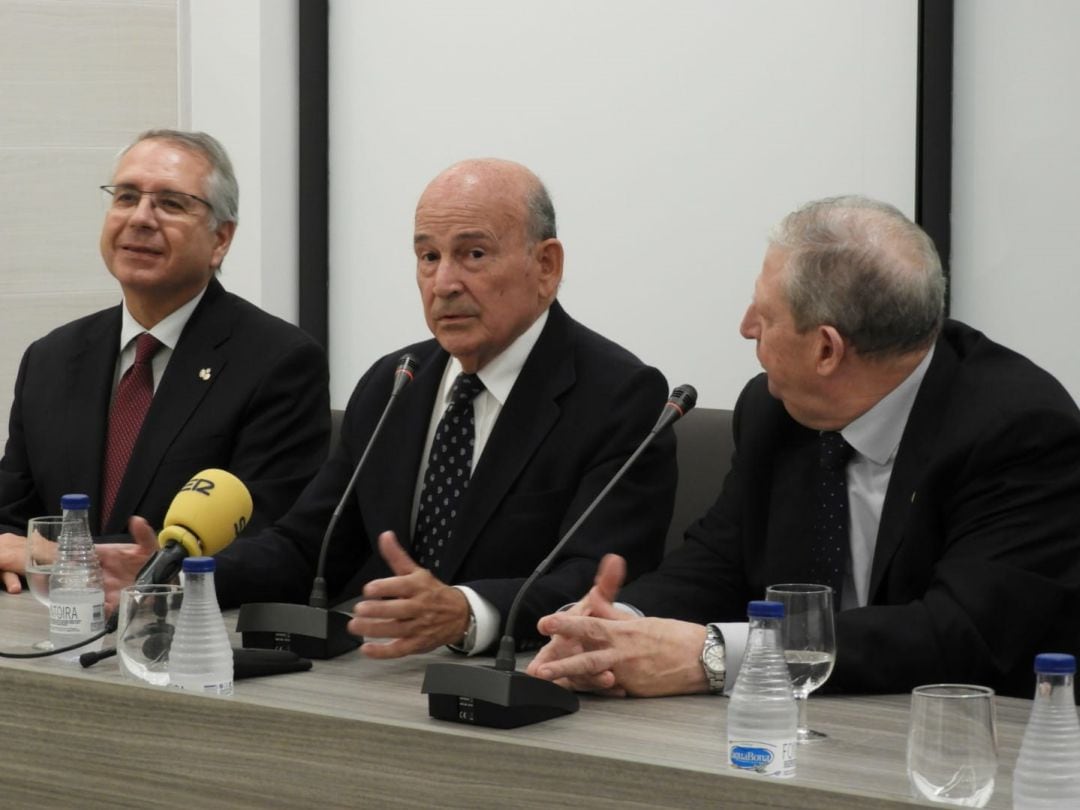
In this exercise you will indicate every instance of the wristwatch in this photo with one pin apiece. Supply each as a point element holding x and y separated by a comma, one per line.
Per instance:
<point>712,659</point>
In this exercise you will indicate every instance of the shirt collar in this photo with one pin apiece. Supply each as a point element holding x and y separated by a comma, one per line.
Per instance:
<point>167,330</point>
<point>877,433</point>
<point>500,373</point>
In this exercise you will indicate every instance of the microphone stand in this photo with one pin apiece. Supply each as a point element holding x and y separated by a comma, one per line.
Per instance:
<point>501,696</point>
<point>311,630</point>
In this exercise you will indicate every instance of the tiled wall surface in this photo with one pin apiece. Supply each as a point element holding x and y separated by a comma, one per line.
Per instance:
<point>78,79</point>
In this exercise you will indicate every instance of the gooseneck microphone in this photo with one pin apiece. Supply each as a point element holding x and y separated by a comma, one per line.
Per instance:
<point>500,696</point>
<point>312,630</point>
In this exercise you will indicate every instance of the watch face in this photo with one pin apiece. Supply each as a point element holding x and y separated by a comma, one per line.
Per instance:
<point>713,658</point>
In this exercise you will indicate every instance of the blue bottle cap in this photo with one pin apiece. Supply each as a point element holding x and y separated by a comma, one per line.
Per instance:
<point>74,502</point>
<point>198,565</point>
<point>763,609</point>
<point>1055,664</point>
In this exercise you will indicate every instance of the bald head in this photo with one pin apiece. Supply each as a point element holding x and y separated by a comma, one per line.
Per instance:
<point>514,184</point>
<point>488,262</point>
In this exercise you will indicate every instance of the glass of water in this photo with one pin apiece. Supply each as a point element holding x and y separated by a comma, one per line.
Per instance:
<point>148,615</point>
<point>952,744</point>
<point>42,534</point>
<point>808,633</point>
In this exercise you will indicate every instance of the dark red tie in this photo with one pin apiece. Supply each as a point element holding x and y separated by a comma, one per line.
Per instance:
<point>126,416</point>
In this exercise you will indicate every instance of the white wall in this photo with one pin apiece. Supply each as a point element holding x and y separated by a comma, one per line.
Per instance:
<point>671,135</point>
<point>238,82</point>
<point>1016,176</point>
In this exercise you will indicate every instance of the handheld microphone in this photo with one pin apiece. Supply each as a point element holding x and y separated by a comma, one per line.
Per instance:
<point>311,630</point>
<point>207,514</point>
<point>500,696</point>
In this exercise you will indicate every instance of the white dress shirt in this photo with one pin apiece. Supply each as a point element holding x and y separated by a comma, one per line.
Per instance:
<point>498,377</point>
<point>167,331</point>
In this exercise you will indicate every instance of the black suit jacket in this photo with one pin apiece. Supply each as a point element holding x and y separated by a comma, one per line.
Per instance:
<point>263,414</point>
<point>577,411</point>
<point>977,562</point>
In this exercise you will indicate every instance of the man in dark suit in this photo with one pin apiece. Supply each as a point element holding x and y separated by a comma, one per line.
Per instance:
<point>558,410</point>
<point>960,552</point>
<point>227,385</point>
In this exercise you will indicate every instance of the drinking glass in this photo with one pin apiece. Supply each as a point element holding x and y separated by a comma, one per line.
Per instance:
<point>42,533</point>
<point>808,633</point>
<point>952,744</point>
<point>148,615</point>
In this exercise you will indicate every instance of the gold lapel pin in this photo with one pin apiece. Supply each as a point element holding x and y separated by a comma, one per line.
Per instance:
<point>204,374</point>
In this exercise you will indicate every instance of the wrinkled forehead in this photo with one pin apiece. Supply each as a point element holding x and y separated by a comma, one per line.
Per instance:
<point>469,201</point>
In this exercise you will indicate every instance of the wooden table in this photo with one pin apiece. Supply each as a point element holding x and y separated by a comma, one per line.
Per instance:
<point>356,733</point>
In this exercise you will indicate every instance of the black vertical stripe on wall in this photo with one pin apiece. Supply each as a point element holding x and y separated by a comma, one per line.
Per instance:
<point>933,162</point>
<point>313,182</point>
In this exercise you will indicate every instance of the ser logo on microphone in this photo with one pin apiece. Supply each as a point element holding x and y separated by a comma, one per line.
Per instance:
<point>201,485</point>
<point>239,525</point>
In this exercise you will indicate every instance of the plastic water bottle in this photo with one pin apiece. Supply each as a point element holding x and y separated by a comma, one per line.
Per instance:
<point>762,717</point>
<point>76,585</point>
<point>1047,771</point>
<point>201,658</point>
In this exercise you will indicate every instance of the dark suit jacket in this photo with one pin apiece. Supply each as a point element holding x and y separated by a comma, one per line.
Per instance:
<point>263,415</point>
<point>977,563</point>
<point>577,411</point>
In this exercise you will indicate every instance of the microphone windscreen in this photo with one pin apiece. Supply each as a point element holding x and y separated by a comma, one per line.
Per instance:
<point>207,513</point>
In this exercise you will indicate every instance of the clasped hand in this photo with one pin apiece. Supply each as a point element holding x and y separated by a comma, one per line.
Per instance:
<point>598,647</point>
<point>413,608</point>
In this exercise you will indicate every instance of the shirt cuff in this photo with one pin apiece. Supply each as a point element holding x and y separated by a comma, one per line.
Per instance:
<point>488,621</point>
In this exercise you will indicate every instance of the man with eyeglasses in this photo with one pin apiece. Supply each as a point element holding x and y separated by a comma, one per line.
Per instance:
<point>126,404</point>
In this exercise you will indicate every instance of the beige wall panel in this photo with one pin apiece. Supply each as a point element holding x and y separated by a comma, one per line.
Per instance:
<point>74,72</point>
<point>51,237</point>
<point>78,79</point>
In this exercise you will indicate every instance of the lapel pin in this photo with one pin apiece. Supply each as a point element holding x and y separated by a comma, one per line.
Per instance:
<point>913,497</point>
<point>204,374</point>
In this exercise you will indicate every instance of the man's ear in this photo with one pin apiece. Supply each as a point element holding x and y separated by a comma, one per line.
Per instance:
<point>831,349</point>
<point>549,257</point>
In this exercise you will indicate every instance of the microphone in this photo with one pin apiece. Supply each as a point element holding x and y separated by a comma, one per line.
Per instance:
<point>312,630</point>
<point>207,514</point>
<point>500,696</point>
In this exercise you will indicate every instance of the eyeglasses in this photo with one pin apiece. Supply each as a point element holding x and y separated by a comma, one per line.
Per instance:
<point>169,203</point>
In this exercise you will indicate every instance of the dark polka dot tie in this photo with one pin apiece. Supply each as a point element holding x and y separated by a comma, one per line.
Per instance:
<point>447,476</point>
<point>830,530</point>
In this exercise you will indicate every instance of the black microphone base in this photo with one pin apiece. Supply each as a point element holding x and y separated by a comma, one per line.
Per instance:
<point>485,696</point>
<point>307,631</point>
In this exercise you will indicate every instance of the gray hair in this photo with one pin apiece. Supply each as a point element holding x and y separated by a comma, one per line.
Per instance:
<point>863,267</point>
<point>541,214</point>
<point>222,191</point>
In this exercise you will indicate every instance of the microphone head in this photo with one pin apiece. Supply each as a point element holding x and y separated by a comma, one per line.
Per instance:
<point>207,513</point>
<point>405,371</point>
<point>684,398</point>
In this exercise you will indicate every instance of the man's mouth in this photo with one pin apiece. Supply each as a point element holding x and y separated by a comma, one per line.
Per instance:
<point>142,249</point>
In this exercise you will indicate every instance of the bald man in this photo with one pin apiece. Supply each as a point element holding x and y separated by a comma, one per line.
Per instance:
<point>516,420</point>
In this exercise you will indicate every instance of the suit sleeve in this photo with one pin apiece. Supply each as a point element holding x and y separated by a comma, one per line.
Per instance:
<point>702,579</point>
<point>1001,578</point>
<point>278,563</point>
<point>19,499</point>
<point>631,520</point>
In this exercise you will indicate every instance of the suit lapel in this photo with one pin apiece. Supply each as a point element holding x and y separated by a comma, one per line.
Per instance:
<point>194,368</point>
<point>916,448</point>
<point>523,424</point>
<point>92,367</point>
